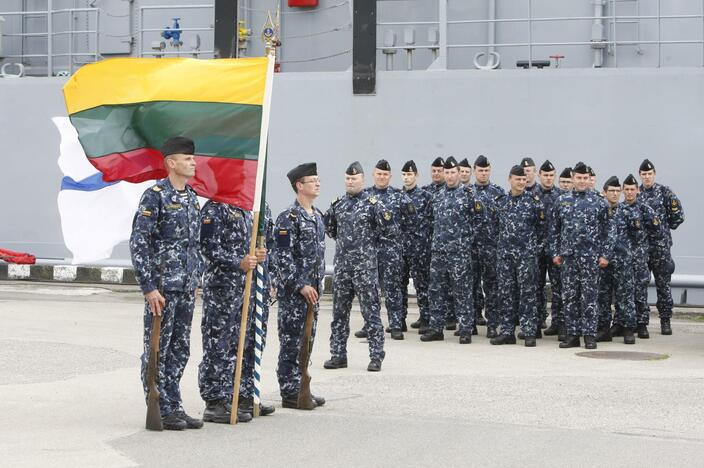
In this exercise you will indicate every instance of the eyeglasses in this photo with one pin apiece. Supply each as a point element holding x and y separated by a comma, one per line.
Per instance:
<point>312,181</point>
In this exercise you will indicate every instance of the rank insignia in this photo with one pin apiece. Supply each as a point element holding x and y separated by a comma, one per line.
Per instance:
<point>542,214</point>
<point>156,188</point>
<point>637,224</point>
<point>387,215</point>
<point>656,221</point>
<point>372,200</point>
<point>477,206</point>
<point>207,221</point>
<point>146,213</point>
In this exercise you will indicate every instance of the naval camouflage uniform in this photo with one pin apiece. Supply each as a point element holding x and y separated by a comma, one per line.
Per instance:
<point>521,234</point>
<point>356,222</point>
<point>166,256</point>
<point>580,233</point>
<point>300,260</point>
<point>546,268</point>
<point>416,252</point>
<point>668,209</point>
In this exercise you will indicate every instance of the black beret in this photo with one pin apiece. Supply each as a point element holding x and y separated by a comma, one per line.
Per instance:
<point>301,171</point>
<point>547,166</point>
<point>580,168</point>
<point>450,163</point>
<point>630,180</point>
<point>178,145</point>
<point>591,171</point>
<point>410,166</point>
<point>383,165</point>
<point>354,169</point>
<point>527,162</point>
<point>518,171</point>
<point>646,165</point>
<point>566,173</point>
<point>481,161</point>
<point>439,162</point>
<point>464,163</point>
<point>612,182</point>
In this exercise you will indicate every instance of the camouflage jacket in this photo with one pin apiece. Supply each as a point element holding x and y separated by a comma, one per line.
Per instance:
<point>520,224</point>
<point>668,209</point>
<point>456,214</point>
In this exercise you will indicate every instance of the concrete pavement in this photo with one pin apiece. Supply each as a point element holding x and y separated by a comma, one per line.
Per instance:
<point>70,395</point>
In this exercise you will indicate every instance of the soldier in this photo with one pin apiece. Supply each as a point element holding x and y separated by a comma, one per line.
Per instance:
<point>390,246</point>
<point>520,218</point>
<point>167,265</point>
<point>669,211</point>
<point>548,194</point>
<point>486,192</point>
<point>416,246</point>
<point>617,279</point>
<point>528,166</point>
<point>592,179</point>
<point>356,221</point>
<point>300,261</point>
<point>454,217</point>
<point>465,173</point>
<point>437,176</point>
<point>581,242</point>
<point>566,179</point>
<point>649,232</point>
<point>225,237</point>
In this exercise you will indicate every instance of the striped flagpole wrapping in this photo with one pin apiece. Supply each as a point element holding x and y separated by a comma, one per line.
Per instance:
<point>258,335</point>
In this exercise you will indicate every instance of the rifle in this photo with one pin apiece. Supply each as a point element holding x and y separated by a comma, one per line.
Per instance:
<point>305,399</point>
<point>153,410</point>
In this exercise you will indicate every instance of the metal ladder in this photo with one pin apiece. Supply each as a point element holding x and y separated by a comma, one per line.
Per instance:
<point>613,27</point>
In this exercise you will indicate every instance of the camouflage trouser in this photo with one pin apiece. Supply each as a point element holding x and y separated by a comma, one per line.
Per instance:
<point>477,275</point>
<point>451,274</point>
<point>222,311</point>
<point>390,267</point>
<point>549,269</point>
<point>618,282</point>
<point>174,347</point>
<point>487,266</point>
<point>642,279</point>
<point>365,284</point>
<point>418,268</point>
<point>292,319</point>
<point>517,293</point>
<point>580,282</point>
<point>662,265</point>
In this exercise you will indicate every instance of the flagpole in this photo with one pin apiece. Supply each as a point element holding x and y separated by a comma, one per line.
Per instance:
<point>261,164</point>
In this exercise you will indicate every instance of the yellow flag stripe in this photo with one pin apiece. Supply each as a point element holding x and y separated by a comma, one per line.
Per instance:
<point>134,80</point>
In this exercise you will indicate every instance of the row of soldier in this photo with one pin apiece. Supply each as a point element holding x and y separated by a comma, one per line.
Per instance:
<point>461,243</point>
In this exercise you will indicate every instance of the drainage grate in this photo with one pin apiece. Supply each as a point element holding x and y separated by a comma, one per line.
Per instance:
<point>624,355</point>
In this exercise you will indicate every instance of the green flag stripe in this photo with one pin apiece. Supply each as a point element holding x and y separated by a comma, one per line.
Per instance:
<point>225,130</point>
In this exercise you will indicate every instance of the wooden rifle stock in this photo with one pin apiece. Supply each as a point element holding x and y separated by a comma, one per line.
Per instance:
<point>153,410</point>
<point>305,399</point>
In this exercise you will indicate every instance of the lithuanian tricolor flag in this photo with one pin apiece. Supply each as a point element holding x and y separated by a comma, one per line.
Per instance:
<point>124,110</point>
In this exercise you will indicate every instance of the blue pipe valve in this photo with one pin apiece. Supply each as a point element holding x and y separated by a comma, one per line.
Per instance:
<point>173,33</point>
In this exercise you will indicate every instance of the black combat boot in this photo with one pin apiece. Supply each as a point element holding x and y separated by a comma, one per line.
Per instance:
<point>491,332</point>
<point>336,363</point>
<point>589,342</point>
<point>571,341</point>
<point>172,422</point>
<point>562,332</point>
<point>530,342</point>
<point>551,330</point>
<point>465,338</point>
<point>543,325</point>
<point>628,337</point>
<point>503,339</point>
<point>539,334</point>
<point>396,334</point>
<point>374,365</point>
<point>219,411</point>
<point>404,327</point>
<point>521,335</point>
<point>191,423</point>
<point>457,333</point>
<point>419,323</point>
<point>481,321</point>
<point>604,334</point>
<point>361,333</point>
<point>643,331</point>
<point>423,329</point>
<point>451,325</point>
<point>246,405</point>
<point>474,330</point>
<point>665,327</point>
<point>431,335</point>
<point>616,330</point>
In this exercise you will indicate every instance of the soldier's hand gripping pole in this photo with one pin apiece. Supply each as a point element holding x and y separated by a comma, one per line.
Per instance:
<point>243,324</point>
<point>153,410</point>
<point>305,399</point>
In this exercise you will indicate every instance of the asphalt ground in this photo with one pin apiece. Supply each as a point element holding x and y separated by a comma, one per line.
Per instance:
<point>70,395</point>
